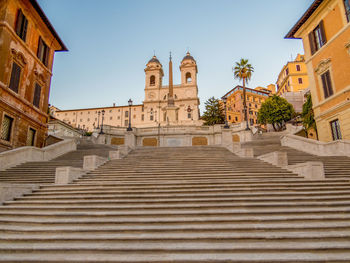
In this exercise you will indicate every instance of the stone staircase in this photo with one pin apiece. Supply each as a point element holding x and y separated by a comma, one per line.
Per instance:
<point>190,204</point>
<point>335,166</point>
<point>44,172</point>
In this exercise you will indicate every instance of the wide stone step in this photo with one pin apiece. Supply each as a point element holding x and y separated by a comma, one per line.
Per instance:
<point>166,245</point>
<point>165,256</point>
<point>224,231</point>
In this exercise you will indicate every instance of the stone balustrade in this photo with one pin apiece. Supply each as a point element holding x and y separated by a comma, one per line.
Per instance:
<point>24,154</point>
<point>335,148</point>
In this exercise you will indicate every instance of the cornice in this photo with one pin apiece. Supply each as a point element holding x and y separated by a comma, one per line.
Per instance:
<point>347,89</point>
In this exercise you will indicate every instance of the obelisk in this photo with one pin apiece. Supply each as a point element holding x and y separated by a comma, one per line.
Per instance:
<point>171,109</point>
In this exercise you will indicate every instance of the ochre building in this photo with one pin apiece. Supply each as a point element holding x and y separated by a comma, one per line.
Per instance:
<point>28,43</point>
<point>325,32</point>
<point>155,107</point>
<point>293,76</point>
<point>254,99</point>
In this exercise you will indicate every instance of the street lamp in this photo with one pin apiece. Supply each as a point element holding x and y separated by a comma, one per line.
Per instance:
<point>103,114</point>
<point>226,123</point>
<point>98,120</point>
<point>130,104</point>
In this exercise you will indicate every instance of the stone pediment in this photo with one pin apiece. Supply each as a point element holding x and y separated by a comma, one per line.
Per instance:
<point>19,57</point>
<point>323,66</point>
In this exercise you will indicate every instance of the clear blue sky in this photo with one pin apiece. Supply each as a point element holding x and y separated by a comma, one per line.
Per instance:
<point>110,42</point>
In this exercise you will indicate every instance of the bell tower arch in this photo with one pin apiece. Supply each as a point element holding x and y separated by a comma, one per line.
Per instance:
<point>154,73</point>
<point>188,70</point>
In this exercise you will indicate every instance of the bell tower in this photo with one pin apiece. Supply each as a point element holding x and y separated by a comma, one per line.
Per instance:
<point>188,70</point>
<point>154,75</point>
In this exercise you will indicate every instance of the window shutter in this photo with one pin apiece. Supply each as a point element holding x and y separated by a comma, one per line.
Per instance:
<point>47,55</point>
<point>40,47</point>
<point>25,25</point>
<point>19,22</point>
<point>37,92</point>
<point>312,42</point>
<point>323,33</point>
<point>15,77</point>
<point>324,84</point>
<point>329,83</point>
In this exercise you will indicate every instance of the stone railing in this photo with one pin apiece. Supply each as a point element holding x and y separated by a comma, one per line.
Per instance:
<point>336,148</point>
<point>33,154</point>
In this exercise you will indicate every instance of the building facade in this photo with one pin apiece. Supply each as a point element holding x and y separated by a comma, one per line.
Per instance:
<point>28,43</point>
<point>254,99</point>
<point>153,111</point>
<point>325,32</point>
<point>293,76</point>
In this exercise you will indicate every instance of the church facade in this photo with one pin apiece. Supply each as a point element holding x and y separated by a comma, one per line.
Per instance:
<point>163,105</point>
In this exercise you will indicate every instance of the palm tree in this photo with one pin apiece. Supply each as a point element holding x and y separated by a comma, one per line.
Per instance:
<point>243,71</point>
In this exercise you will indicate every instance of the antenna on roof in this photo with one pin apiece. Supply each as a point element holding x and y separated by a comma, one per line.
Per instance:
<point>154,52</point>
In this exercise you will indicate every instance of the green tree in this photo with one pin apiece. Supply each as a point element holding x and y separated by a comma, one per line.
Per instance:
<point>214,112</point>
<point>276,111</point>
<point>243,71</point>
<point>308,115</point>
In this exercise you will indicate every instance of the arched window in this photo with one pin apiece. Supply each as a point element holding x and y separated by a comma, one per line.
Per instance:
<point>152,80</point>
<point>188,77</point>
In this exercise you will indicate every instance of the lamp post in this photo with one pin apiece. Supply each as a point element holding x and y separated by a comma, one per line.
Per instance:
<point>103,114</point>
<point>98,120</point>
<point>226,123</point>
<point>130,104</point>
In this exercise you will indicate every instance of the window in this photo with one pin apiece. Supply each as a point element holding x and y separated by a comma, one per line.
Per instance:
<point>126,114</point>
<point>43,52</point>
<point>236,118</point>
<point>6,128</point>
<point>88,119</point>
<point>134,116</point>
<point>142,117</point>
<point>229,117</point>
<point>151,118</point>
<point>88,112</point>
<point>15,77</point>
<point>189,115</point>
<point>37,92</point>
<point>21,25</point>
<point>347,9</point>
<point>143,108</point>
<point>126,123</point>
<point>152,80</point>
<point>327,84</point>
<point>336,133</point>
<point>81,120</point>
<point>110,118</point>
<point>317,38</point>
<point>298,67</point>
<point>188,77</point>
<point>31,137</point>
<point>300,80</point>
<point>81,113</point>
<point>118,117</point>
<point>287,71</point>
